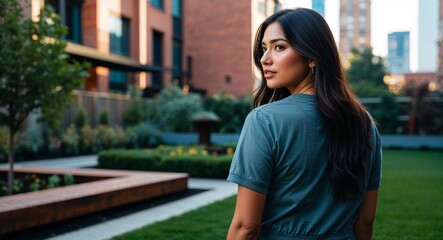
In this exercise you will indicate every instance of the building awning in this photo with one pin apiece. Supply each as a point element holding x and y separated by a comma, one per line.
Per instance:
<point>97,58</point>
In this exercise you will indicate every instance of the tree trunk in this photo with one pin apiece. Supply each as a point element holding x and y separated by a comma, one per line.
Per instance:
<point>11,161</point>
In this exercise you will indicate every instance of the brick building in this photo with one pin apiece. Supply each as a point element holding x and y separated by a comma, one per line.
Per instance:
<point>129,43</point>
<point>206,45</point>
<point>218,43</point>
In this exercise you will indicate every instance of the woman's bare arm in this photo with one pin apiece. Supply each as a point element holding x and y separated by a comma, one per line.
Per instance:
<point>366,215</point>
<point>247,216</point>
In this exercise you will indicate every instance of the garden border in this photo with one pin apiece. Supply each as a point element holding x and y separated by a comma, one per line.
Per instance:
<point>117,187</point>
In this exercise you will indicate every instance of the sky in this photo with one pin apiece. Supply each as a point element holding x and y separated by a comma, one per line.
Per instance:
<point>387,16</point>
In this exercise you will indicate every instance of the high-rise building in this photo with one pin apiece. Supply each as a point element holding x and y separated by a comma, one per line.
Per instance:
<point>355,25</point>
<point>319,6</point>
<point>398,52</point>
<point>218,43</point>
<point>427,35</point>
<point>440,45</point>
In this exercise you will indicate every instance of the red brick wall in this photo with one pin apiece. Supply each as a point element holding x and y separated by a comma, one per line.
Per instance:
<point>217,35</point>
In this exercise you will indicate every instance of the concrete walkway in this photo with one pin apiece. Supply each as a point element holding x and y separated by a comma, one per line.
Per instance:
<point>217,190</point>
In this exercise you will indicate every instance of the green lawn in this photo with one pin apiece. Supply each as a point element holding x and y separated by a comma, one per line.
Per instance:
<point>410,204</point>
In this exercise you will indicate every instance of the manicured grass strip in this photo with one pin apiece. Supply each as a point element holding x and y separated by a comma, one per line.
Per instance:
<point>207,223</point>
<point>410,205</point>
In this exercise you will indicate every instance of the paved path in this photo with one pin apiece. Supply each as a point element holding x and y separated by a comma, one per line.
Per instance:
<point>218,189</point>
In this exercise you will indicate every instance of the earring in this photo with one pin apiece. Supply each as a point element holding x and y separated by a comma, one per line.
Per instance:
<point>312,69</point>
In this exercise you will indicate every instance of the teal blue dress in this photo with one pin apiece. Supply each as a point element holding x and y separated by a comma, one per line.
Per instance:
<point>282,152</point>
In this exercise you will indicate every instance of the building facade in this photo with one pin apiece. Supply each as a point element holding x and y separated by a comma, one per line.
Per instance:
<point>129,43</point>
<point>218,43</point>
<point>319,6</point>
<point>427,35</point>
<point>440,45</point>
<point>355,25</point>
<point>398,52</point>
<point>151,44</point>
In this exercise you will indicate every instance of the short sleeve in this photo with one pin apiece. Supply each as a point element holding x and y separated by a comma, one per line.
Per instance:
<point>376,161</point>
<point>252,164</point>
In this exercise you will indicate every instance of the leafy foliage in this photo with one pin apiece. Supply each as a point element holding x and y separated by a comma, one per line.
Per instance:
<point>134,113</point>
<point>232,111</point>
<point>366,68</point>
<point>81,118</point>
<point>35,72</point>
<point>365,75</point>
<point>103,118</point>
<point>173,110</point>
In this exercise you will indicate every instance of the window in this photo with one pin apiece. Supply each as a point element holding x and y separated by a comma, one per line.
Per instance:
<point>119,35</point>
<point>177,8</point>
<point>177,61</point>
<point>70,12</point>
<point>118,81</point>
<point>157,4</point>
<point>157,58</point>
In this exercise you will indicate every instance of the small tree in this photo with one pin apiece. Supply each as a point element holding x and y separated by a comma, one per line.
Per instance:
<point>365,74</point>
<point>35,73</point>
<point>133,115</point>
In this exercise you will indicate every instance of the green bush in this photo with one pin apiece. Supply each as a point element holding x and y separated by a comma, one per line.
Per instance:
<point>143,135</point>
<point>129,159</point>
<point>197,163</point>
<point>103,118</point>
<point>53,181</point>
<point>29,145</point>
<point>81,118</point>
<point>88,139</point>
<point>133,115</point>
<point>70,141</point>
<point>105,137</point>
<point>174,109</point>
<point>232,111</point>
<point>198,166</point>
<point>68,179</point>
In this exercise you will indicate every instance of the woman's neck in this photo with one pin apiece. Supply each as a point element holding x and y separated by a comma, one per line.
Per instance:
<point>304,87</point>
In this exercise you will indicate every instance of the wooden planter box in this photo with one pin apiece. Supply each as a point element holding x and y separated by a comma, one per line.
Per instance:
<point>110,188</point>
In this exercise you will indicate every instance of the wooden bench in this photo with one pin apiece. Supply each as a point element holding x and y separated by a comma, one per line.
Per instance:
<point>109,188</point>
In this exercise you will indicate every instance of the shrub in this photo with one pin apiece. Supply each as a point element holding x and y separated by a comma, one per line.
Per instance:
<point>174,109</point>
<point>120,137</point>
<point>53,181</point>
<point>68,179</point>
<point>195,161</point>
<point>30,144</point>
<point>105,137</point>
<point>129,159</point>
<point>133,115</point>
<point>232,111</point>
<point>81,119</point>
<point>198,166</point>
<point>70,141</point>
<point>103,118</point>
<point>143,135</point>
<point>88,139</point>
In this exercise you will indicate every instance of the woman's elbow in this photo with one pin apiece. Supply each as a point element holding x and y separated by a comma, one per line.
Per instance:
<point>243,231</point>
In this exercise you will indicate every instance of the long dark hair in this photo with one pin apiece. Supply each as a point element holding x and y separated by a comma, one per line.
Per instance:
<point>348,123</point>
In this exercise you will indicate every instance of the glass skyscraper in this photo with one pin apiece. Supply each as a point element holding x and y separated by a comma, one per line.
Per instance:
<point>398,52</point>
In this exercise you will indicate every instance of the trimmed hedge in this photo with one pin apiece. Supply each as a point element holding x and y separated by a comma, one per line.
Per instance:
<point>209,166</point>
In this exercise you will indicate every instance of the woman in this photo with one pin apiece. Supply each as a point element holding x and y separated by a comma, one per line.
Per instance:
<point>308,161</point>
